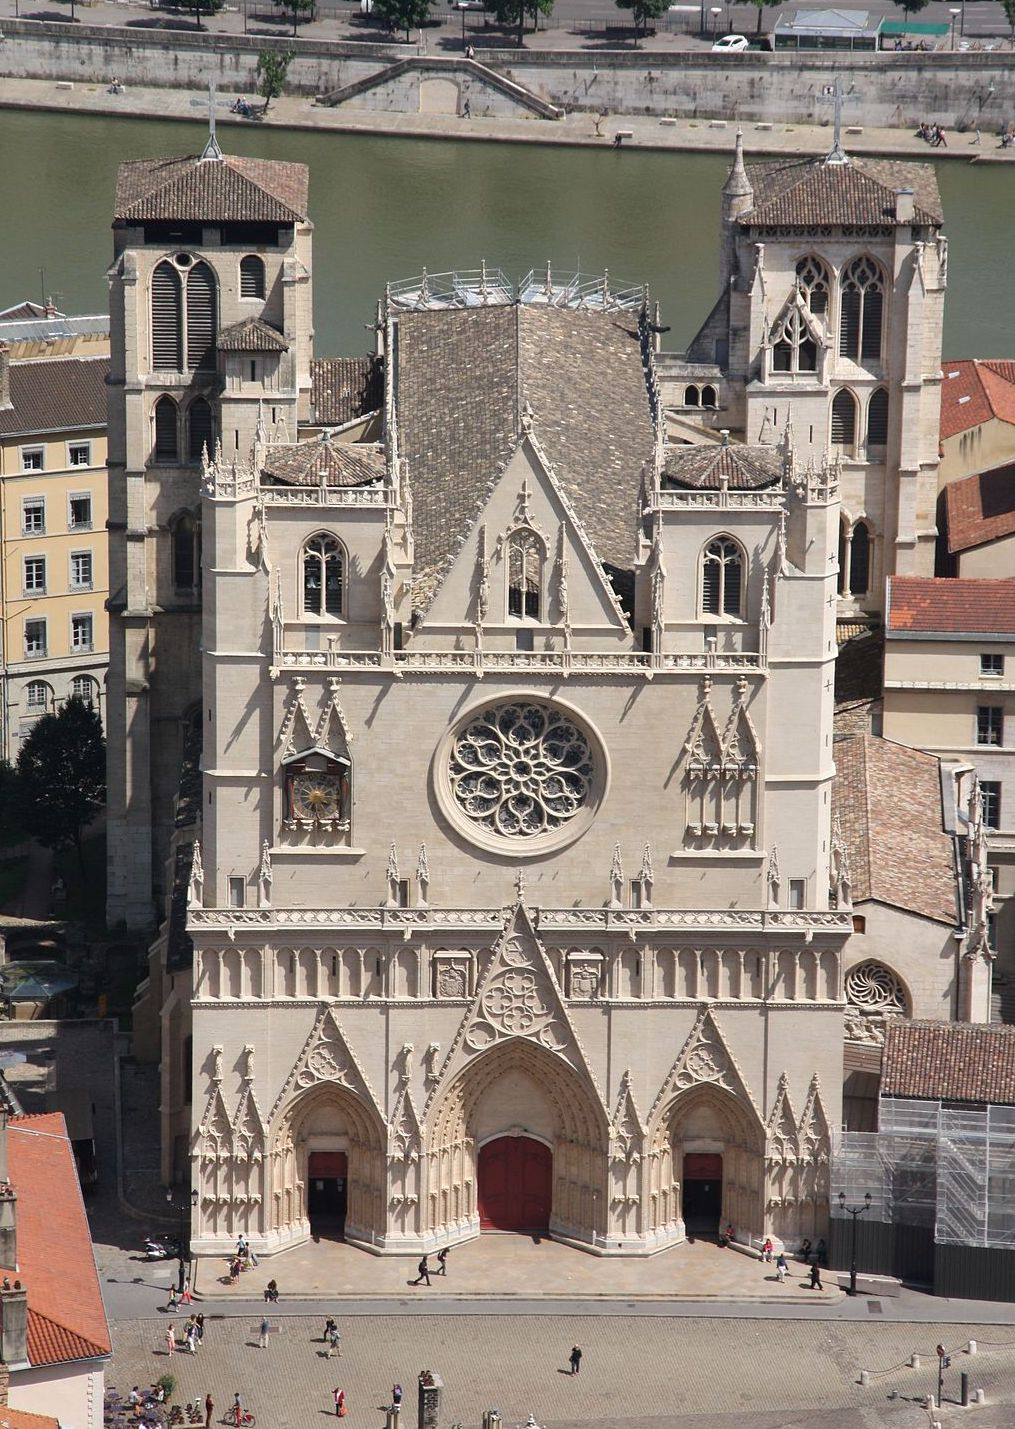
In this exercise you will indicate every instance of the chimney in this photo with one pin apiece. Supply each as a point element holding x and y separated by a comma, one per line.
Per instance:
<point>8,1205</point>
<point>904,206</point>
<point>50,308</point>
<point>5,376</point>
<point>14,1324</point>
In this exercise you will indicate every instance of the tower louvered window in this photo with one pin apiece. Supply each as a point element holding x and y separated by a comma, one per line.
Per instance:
<point>251,276</point>
<point>877,419</point>
<point>323,576</point>
<point>200,318</point>
<point>200,429</point>
<point>844,419</point>
<point>167,440</point>
<point>722,578</point>
<point>167,319</point>
<point>861,311</point>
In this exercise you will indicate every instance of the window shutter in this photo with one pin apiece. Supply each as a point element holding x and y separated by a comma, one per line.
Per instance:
<point>732,585</point>
<point>200,318</point>
<point>877,419</point>
<point>710,580</point>
<point>843,419</point>
<point>849,323</point>
<point>251,277</point>
<point>201,431</point>
<point>166,438</point>
<point>167,328</point>
<point>873,310</point>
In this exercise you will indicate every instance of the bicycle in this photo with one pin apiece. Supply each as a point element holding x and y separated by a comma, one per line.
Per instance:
<point>243,1420</point>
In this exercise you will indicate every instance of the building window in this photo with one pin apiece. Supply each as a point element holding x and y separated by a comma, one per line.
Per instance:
<point>33,458</point>
<point>813,284</point>
<point>793,347</point>
<point>525,575</point>
<point>35,575</point>
<point>722,578</point>
<point>81,570</point>
<point>35,640</point>
<point>251,277</point>
<point>167,319</point>
<point>79,515</point>
<point>875,988</point>
<point>200,429</point>
<point>237,892</point>
<point>79,454</point>
<point>992,666</point>
<point>709,397</point>
<point>797,893</point>
<point>33,516</point>
<point>861,311</point>
<point>201,324</point>
<point>81,632</point>
<point>989,724</point>
<point>167,434</point>
<point>859,923</point>
<point>186,552</point>
<point>692,397</point>
<point>37,696</point>
<point>402,893</point>
<point>323,576</point>
<point>844,419</point>
<point>859,560</point>
<point>990,793</point>
<point>82,688</point>
<point>877,419</point>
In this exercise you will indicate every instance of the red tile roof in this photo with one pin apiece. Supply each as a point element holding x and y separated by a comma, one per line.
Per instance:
<point>974,391</point>
<point>964,1062</point>
<point>21,1419</point>
<point>66,1317</point>
<point>980,508</point>
<point>888,801</point>
<point>227,190</point>
<point>932,605</point>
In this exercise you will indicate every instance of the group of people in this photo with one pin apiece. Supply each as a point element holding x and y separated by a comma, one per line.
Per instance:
<point>241,106</point>
<point>933,134</point>
<point>190,1340</point>
<point>423,1268</point>
<point>244,1259</point>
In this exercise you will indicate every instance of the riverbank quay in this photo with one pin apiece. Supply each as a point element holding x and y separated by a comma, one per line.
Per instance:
<point>579,130</point>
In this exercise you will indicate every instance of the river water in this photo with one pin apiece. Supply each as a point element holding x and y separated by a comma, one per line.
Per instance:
<point>384,209</point>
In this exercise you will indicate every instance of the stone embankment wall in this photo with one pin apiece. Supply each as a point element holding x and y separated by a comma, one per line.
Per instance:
<point>884,90</point>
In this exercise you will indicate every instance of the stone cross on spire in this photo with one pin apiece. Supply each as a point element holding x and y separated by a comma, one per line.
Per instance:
<point>211,149</point>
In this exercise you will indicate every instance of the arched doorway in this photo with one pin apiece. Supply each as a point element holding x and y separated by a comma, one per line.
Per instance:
<point>702,1200</point>
<point>515,1185</point>
<point>327,1192</point>
<point>328,1168</point>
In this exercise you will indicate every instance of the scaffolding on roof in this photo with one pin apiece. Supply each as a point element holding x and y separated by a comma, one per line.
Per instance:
<point>489,287</point>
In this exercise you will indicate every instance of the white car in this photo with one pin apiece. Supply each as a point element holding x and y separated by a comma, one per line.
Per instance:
<point>731,44</point>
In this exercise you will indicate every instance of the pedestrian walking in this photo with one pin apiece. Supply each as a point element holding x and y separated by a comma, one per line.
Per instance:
<point>423,1271</point>
<point>189,1339</point>
<point>174,1300</point>
<point>263,1336</point>
<point>329,1325</point>
<point>209,1410</point>
<point>816,1276</point>
<point>576,1359</point>
<point>334,1342</point>
<point>442,1261</point>
<point>186,1298</point>
<point>181,1276</point>
<point>781,1267</point>
<point>339,1397</point>
<point>199,1326</point>
<point>170,1341</point>
<point>396,1395</point>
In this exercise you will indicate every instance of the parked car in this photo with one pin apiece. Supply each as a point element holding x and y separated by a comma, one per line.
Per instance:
<point>731,44</point>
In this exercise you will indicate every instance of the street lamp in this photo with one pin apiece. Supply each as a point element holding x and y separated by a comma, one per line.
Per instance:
<point>715,11</point>
<point>186,1209</point>
<point>955,12</point>
<point>855,1212</point>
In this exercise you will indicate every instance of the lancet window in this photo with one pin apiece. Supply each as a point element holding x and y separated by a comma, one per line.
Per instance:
<point>184,308</point>
<point>844,420</point>
<point>877,420</point>
<point>861,311</point>
<point>167,430</point>
<point>525,575</point>
<point>251,276</point>
<point>186,533</point>
<point>200,429</point>
<point>323,573</point>
<point>814,284</point>
<point>793,346</point>
<point>722,578</point>
<point>855,557</point>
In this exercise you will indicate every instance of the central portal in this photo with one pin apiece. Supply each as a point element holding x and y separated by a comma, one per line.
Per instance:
<point>515,1183</point>
<point>702,1206</point>
<point>327,1195</point>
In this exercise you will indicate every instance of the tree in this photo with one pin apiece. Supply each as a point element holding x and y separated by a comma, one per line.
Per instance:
<point>272,70</point>
<point>12,830</point>
<point>761,8</point>
<point>62,776</point>
<point>513,12</point>
<point>209,7</point>
<point>298,8</point>
<point>642,11</point>
<point>1008,6</point>
<point>407,15</point>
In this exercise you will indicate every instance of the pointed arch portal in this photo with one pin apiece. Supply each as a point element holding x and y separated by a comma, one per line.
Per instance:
<point>515,1179</point>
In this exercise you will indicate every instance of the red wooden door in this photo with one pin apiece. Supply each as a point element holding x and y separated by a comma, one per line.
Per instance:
<point>515,1185</point>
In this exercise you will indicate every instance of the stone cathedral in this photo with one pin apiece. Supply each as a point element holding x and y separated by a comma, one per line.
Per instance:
<point>507,894</point>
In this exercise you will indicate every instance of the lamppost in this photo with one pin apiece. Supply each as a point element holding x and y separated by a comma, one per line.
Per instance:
<point>186,1210</point>
<point>855,1212</point>
<point>715,11</point>
<point>962,19</point>
<point>955,12</point>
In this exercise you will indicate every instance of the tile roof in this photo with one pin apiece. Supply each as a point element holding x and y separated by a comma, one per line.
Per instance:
<point>251,335</point>
<point>888,800</point>
<point>980,508</point>
<point>741,467</point>
<point>310,463</point>
<point>463,379</point>
<point>22,1419</point>
<point>66,1318</point>
<point>344,388</point>
<point>966,1062</point>
<point>55,394</point>
<point>928,605</point>
<point>811,191</point>
<point>227,190</point>
<point>973,391</point>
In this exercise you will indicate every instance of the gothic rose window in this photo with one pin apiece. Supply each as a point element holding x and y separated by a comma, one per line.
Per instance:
<point>875,988</point>
<point>521,771</point>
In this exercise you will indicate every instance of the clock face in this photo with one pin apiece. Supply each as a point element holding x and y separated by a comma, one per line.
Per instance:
<point>316,796</point>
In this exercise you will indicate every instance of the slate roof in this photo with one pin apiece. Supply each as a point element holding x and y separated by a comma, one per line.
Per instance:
<point>741,467</point>
<point>55,394</point>
<point>931,605</point>
<point>227,190</point>
<point>66,1319</point>
<point>310,463</point>
<point>964,1062</point>
<point>344,388</point>
<point>251,335</point>
<point>810,191</point>
<point>980,508</point>
<point>463,379</point>
<point>974,391</point>
<point>888,799</point>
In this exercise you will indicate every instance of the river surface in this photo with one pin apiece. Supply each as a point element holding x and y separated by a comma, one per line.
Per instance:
<point>383,209</point>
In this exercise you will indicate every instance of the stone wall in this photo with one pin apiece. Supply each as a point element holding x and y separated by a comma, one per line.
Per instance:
<point>884,90</point>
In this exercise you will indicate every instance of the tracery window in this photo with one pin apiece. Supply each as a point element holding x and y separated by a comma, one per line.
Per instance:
<point>861,311</point>
<point>722,578</point>
<point>844,419</point>
<point>793,347</point>
<point>251,276</point>
<point>525,575</point>
<point>183,315</point>
<point>167,431</point>
<point>814,284</point>
<point>875,988</point>
<point>323,566</point>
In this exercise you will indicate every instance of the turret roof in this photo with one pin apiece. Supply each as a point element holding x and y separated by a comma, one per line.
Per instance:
<point>222,190</point>
<point>322,460</point>
<point>738,466</point>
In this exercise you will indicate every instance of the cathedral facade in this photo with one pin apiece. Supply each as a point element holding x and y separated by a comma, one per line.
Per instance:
<point>510,896</point>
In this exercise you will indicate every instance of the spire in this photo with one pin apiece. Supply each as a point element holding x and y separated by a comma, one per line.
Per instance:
<point>737,184</point>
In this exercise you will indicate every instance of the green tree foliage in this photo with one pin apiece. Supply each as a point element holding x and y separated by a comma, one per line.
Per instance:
<point>1008,6</point>
<point>514,12</point>
<point>204,7</point>
<point>912,7</point>
<point>62,776</point>
<point>761,10</point>
<point>12,830</point>
<point>297,9</point>
<point>272,72</point>
<point>642,11</point>
<point>407,15</point>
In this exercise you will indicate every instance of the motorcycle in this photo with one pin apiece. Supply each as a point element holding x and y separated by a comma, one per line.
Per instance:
<point>165,1248</point>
